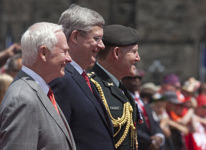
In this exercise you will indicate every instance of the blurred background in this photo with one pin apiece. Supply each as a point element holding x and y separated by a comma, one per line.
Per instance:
<point>172,32</point>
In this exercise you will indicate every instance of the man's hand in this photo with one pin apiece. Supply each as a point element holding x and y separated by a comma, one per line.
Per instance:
<point>13,49</point>
<point>156,142</point>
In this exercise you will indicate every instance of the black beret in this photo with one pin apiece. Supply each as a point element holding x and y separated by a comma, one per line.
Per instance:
<point>118,35</point>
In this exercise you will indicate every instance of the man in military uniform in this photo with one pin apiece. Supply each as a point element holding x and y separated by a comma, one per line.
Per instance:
<point>115,62</point>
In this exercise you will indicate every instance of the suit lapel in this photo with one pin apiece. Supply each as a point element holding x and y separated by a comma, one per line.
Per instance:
<point>80,81</point>
<point>149,115</point>
<point>108,120</point>
<point>70,139</point>
<point>93,97</point>
<point>47,104</point>
<point>53,113</point>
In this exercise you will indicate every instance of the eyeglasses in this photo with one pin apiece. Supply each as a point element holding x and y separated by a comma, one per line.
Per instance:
<point>96,38</point>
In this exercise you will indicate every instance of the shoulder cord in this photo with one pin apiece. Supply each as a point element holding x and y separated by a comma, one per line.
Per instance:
<point>119,122</point>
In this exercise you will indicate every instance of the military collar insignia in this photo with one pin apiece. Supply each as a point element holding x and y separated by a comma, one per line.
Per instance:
<point>89,74</point>
<point>110,84</point>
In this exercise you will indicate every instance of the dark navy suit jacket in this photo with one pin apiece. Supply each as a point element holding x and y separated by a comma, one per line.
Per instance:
<point>84,111</point>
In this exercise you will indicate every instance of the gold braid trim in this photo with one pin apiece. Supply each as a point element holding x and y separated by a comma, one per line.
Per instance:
<point>119,122</point>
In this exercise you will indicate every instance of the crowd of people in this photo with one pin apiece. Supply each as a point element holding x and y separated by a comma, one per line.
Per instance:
<point>178,108</point>
<point>75,85</point>
<point>10,64</point>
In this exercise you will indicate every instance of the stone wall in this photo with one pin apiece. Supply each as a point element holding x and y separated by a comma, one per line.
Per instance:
<point>16,16</point>
<point>170,31</point>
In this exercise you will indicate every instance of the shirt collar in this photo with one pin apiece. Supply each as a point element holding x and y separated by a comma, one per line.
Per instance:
<point>114,79</point>
<point>77,67</point>
<point>39,80</point>
<point>134,95</point>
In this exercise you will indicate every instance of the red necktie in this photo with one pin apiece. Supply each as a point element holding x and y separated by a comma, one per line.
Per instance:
<point>84,75</point>
<point>144,112</point>
<point>51,97</point>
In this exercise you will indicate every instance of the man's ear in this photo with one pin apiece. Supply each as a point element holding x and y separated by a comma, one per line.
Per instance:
<point>116,52</point>
<point>42,51</point>
<point>74,36</point>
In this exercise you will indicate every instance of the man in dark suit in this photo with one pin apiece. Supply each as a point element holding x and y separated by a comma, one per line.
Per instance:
<point>77,97</point>
<point>29,120</point>
<point>149,133</point>
<point>116,61</point>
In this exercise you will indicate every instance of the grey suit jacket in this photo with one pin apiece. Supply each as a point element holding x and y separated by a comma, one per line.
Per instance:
<point>29,121</point>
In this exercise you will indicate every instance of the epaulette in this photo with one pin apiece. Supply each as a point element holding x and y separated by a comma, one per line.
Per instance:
<point>91,74</point>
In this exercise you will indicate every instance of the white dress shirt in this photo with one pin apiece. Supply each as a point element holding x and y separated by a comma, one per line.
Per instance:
<point>77,67</point>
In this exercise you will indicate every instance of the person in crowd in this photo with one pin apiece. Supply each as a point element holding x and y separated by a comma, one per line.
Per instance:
<point>147,92</point>
<point>150,135</point>
<point>115,62</point>
<point>76,95</point>
<point>14,65</point>
<point>7,53</point>
<point>5,81</point>
<point>148,86</point>
<point>29,119</point>
<point>175,109</point>
<point>202,89</point>
<point>196,139</point>
<point>189,90</point>
<point>170,82</point>
<point>201,103</point>
<point>158,105</point>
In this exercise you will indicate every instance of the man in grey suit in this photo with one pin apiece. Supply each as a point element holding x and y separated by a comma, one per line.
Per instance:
<point>28,119</point>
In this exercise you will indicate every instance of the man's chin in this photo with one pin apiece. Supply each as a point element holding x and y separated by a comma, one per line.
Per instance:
<point>132,74</point>
<point>62,73</point>
<point>93,60</point>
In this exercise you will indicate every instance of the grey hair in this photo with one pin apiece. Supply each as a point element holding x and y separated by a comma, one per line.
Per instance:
<point>79,18</point>
<point>39,34</point>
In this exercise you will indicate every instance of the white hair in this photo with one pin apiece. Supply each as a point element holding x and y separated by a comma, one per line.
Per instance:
<point>39,34</point>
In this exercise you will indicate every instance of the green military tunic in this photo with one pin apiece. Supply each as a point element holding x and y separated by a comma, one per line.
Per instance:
<point>120,106</point>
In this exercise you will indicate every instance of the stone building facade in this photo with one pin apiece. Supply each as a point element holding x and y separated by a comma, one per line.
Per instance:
<point>172,33</point>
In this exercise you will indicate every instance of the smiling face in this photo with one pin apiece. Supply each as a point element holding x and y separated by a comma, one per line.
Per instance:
<point>59,56</point>
<point>128,56</point>
<point>89,44</point>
